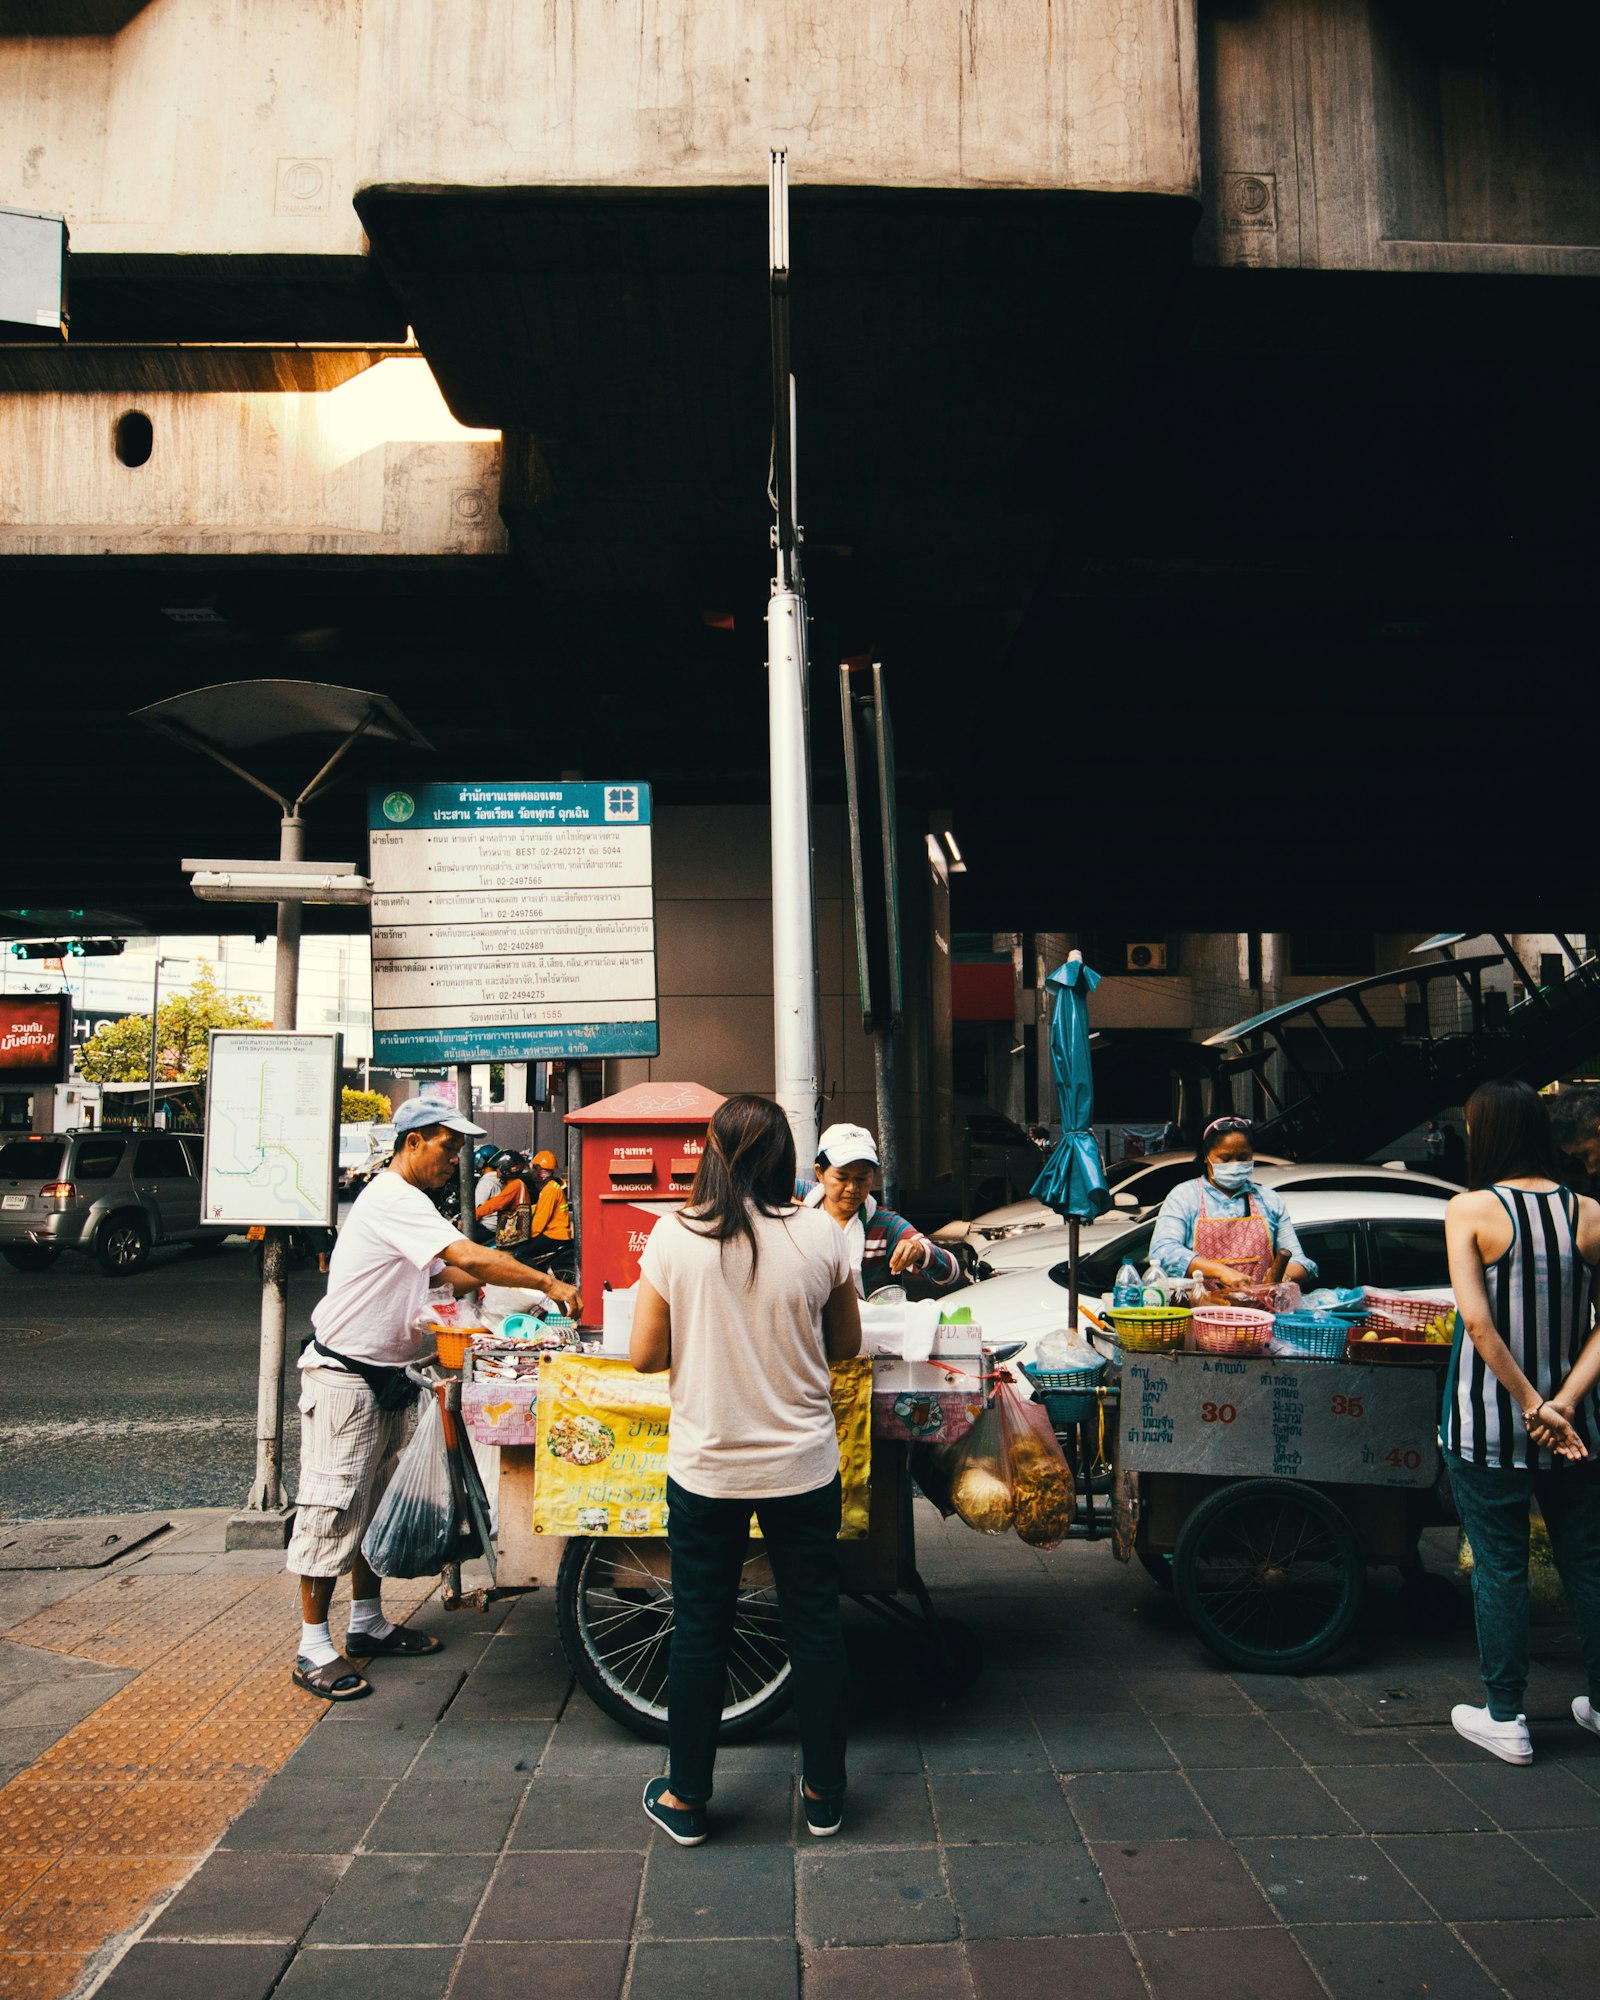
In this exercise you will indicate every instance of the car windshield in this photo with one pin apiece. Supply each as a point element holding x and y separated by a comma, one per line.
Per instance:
<point>31,1159</point>
<point>1097,1272</point>
<point>1156,1183</point>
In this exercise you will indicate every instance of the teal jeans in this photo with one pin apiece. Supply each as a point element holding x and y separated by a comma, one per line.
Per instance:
<point>1494,1508</point>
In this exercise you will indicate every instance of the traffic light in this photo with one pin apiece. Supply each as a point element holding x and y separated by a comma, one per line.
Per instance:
<point>67,948</point>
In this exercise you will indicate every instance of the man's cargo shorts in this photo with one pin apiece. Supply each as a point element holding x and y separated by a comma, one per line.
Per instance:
<point>348,1449</point>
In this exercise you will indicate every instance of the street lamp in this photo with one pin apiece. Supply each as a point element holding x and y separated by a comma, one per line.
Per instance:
<point>225,723</point>
<point>155,1012</point>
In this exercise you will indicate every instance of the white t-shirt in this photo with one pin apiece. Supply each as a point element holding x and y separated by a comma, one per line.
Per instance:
<point>387,1250</point>
<point>751,1416</point>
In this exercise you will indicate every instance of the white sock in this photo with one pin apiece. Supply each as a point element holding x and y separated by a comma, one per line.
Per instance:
<point>315,1645</point>
<point>366,1618</point>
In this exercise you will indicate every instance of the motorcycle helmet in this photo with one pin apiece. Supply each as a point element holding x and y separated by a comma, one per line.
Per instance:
<point>544,1158</point>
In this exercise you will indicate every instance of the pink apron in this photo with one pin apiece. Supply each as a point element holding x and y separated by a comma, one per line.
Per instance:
<point>1244,1241</point>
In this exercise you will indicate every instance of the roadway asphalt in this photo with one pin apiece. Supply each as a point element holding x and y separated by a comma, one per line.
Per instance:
<point>126,1394</point>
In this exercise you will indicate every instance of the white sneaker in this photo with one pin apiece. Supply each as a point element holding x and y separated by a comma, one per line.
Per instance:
<point>1509,1741</point>
<point>1584,1716</point>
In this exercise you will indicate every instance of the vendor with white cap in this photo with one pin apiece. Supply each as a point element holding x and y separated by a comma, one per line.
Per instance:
<point>882,1245</point>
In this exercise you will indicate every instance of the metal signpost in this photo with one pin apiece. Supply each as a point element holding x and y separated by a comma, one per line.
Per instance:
<point>875,878</point>
<point>271,1159</point>
<point>512,923</point>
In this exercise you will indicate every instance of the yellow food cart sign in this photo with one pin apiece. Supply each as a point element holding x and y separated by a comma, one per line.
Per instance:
<point>602,1451</point>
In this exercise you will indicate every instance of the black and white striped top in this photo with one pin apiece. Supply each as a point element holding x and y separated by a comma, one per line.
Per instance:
<point>1540,1300</point>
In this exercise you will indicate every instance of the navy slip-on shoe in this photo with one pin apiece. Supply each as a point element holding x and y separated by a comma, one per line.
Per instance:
<point>824,1816</point>
<point>685,1825</point>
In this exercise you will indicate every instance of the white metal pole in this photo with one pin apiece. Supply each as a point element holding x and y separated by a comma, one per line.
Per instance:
<point>794,939</point>
<point>286,964</point>
<point>265,1521</point>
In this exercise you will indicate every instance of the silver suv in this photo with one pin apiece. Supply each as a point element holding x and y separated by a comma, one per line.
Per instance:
<point>113,1193</point>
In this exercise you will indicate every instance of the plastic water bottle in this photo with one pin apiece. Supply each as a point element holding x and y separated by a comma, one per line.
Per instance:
<point>1129,1287</point>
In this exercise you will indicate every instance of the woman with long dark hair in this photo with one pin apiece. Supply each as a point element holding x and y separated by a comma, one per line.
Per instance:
<point>1520,1419</point>
<point>747,1299</point>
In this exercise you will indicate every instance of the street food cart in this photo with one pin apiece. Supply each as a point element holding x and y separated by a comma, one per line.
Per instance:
<point>611,1571</point>
<point>1261,1468</point>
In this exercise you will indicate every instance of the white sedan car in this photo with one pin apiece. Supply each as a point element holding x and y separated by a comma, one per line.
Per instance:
<point>1038,1249</point>
<point>1389,1238</point>
<point>1137,1186</point>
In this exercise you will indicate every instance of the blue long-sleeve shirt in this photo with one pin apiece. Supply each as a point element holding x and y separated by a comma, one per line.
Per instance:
<point>1172,1244</point>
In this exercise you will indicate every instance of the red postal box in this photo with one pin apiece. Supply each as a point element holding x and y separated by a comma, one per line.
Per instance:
<point>641,1152</point>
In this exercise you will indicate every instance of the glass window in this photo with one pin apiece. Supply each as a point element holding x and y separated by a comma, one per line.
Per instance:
<point>31,1159</point>
<point>1332,1248</point>
<point>161,1160</point>
<point>97,1159</point>
<point>1098,1272</point>
<point>1409,1253</point>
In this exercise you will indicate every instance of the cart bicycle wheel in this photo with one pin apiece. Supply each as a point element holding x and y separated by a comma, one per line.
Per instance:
<point>614,1614</point>
<point>1270,1575</point>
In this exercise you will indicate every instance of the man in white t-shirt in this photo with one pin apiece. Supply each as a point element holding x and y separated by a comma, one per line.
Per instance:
<point>353,1396</point>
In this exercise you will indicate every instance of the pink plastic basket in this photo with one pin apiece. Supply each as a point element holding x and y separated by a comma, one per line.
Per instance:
<point>1402,1313</point>
<point>1230,1330</point>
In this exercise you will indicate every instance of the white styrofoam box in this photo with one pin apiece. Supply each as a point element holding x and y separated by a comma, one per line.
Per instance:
<point>892,1376</point>
<point>903,1327</point>
<point>616,1321</point>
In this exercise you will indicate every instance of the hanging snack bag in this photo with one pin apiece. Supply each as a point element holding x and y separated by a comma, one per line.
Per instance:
<point>1043,1496</point>
<point>980,1485</point>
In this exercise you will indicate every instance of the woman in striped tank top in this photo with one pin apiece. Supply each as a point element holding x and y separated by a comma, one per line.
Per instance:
<point>1520,1418</point>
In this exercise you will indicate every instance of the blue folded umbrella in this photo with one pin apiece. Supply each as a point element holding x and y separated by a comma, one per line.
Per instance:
<point>1073,1180</point>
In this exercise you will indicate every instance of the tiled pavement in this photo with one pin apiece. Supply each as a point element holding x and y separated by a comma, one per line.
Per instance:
<point>1106,1812</point>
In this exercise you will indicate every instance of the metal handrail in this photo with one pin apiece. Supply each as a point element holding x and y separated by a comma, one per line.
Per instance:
<point>1407,1070</point>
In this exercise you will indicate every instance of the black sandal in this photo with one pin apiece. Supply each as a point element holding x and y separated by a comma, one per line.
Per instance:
<point>402,1641</point>
<point>334,1680</point>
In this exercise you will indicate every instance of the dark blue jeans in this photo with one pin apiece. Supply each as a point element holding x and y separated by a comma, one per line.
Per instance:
<point>1493,1506</point>
<point>709,1540</point>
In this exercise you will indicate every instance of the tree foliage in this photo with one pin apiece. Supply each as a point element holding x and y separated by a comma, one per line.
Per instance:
<point>364,1107</point>
<point>120,1052</point>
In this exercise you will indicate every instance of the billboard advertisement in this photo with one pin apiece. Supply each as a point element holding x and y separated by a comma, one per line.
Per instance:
<point>35,1039</point>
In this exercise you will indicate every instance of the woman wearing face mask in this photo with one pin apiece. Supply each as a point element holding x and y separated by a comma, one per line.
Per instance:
<point>1221,1226</point>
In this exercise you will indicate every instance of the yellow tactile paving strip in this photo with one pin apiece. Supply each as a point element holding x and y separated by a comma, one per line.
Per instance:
<point>116,1814</point>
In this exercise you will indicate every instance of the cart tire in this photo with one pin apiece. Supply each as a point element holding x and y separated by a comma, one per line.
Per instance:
<point>954,1662</point>
<point>30,1256</point>
<point>122,1244</point>
<point>1157,1567</point>
<point>1270,1575</point>
<point>617,1636</point>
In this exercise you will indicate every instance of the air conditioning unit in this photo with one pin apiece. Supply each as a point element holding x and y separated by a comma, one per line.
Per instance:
<point>1147,958</point>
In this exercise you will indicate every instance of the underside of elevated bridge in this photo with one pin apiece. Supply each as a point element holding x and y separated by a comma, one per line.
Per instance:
<point>1214,598</point>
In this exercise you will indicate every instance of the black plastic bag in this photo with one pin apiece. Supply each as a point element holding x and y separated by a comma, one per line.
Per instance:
<point>413,1532</point>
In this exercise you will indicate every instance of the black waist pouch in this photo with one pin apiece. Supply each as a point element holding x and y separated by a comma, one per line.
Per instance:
<point>391,1388</point>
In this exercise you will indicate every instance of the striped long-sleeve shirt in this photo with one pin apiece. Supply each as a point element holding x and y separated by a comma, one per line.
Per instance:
<point>881,1230</point>
<point>1540,1298</point>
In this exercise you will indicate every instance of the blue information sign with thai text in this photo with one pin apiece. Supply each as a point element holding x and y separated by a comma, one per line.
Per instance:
<point>512,922</point>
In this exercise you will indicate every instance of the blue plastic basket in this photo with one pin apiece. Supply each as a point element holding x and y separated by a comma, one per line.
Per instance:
<point>1068,1394</point>
<point>1303,1336</point>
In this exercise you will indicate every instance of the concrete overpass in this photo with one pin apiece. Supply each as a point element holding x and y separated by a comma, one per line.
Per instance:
<point>1186,388</point>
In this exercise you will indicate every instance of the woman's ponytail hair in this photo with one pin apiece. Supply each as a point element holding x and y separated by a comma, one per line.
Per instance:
<point>746,1169</point>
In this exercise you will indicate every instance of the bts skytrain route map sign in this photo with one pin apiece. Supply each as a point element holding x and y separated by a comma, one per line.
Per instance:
<point>512,923</point>
<point>272,1129</point>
